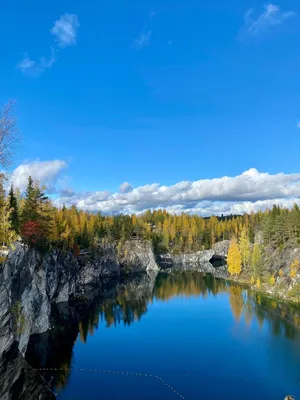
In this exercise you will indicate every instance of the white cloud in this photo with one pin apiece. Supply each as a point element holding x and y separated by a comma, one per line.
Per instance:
<point>249,191</point>
<point>270,16</point>
<point>26,64</point>
<point>35,68</point>
<point>45,172</point>
<point>65,30</point>
<point>125,187</point>
<point>252,190</point>
<point>143,40</point>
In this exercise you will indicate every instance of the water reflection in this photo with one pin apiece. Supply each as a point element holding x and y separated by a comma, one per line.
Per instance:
<point>126,302</point>
<point>18,381</point>
<point>244,303</point>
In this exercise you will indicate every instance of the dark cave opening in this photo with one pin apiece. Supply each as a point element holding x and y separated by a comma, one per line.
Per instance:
<point>217,261</point>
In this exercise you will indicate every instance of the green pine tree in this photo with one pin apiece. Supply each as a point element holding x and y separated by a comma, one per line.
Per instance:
<point>30,208</point>
<point>14,215</point>
<point>37,209</point>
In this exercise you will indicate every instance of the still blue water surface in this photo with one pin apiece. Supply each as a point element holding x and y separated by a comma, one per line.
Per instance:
<point>206,338</point>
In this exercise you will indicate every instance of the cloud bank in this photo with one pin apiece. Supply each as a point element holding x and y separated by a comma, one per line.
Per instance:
<point>250,191</point>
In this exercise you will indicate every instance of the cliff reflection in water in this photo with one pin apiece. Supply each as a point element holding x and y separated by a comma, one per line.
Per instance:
<point>126,302</point>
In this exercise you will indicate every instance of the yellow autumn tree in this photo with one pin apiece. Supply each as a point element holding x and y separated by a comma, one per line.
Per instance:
<point>244,245</point>
<point>234,258</point>
<point>134,220</point>
<point>294,267</point>
<point>166,233</point>
<point>172,231</point>
<point>189,241</point>
<point>280,273</point>
<point>272,280</point>
<point>255,260</point>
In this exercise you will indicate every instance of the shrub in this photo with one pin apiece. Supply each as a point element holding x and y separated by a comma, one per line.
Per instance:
<point>18,318</point>
<point>295,291</point>
<point>272,280</point>
<point>31,232</point>
<point>294,267</point>
<point>258,283</point>
<point>281,273</point>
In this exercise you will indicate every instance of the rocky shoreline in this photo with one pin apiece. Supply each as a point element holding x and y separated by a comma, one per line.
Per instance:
<point>32,285</point>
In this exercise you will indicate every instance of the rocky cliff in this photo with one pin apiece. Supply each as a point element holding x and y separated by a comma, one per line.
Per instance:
<point>211,261</point>
<point>30,283</point>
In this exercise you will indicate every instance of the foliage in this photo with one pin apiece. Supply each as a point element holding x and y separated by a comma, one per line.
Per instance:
<point>294,292</point>
<point>281,273</point>
<point>18,318</point>
<point>234,259</point>
<point>244,245</point>
<point>272,280</point>
<point>169,233</point>
<point>13,204</point>
<point>39,223</point>
<point>7,234</point>
<point>36,220</point>
<point>294,267</point>
<point>31,232</point>
<point>255,261</point>
<point>258,283</point>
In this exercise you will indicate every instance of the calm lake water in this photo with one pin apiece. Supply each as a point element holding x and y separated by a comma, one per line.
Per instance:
<point>204,337</point>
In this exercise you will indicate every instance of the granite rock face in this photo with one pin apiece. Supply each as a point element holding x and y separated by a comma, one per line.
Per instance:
<point>220,249</point>
<point>31,282</point>
<point>211,261</point>
<point>138,256</point>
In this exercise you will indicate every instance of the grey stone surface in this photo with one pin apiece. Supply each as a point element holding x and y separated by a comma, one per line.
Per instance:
<point>34,282</point>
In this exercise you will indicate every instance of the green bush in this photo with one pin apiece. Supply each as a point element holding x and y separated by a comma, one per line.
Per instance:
<point>18,318</point>
<point>295,292</point>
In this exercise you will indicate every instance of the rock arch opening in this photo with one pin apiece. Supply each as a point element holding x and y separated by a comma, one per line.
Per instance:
<point>217,261</point>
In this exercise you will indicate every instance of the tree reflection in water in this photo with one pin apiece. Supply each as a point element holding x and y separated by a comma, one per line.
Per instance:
<point>126,302</point>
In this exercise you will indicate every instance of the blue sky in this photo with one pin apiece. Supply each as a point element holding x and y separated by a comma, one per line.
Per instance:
<point>154,92</point>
